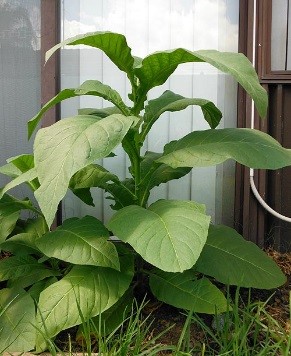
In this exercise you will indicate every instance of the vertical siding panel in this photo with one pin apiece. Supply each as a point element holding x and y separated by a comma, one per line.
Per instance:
<point>159,38</point>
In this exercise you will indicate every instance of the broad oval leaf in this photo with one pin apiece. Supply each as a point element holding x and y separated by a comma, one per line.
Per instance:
<point>169,234</point>
<point>17,319</point>
<point>94,289</point>
<point>89,87</point>
<point>184,290</point>
<point>157,67</point>
<point>249,147</point>
<point>230,259</point>
<point>64,148</point>
<point>170,101</point>
<point>80,241</point>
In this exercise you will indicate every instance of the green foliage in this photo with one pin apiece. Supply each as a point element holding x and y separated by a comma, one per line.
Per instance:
<point>75,273</point>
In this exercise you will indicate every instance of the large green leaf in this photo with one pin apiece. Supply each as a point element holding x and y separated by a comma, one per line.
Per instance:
<point>113,317</point>
<point>64,148</point>
<point>169,234</point>
<point>206,148</point>
<point>157,67</point>
<point>89,87</point>
<point>114,45</point>
<point>230,259</point>
<point>17,332</point>
<point>184,290</point>
<point>21,266</point>
<point>80,241</point>
<point>170,101</point>
<point>94,289</point>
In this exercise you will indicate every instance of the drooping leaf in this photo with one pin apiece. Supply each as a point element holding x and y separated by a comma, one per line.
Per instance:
<point>17,333</point>
<point>90,176</point>
<point>75,142</point>
<point>114,45</point>
<point>94,289</point>
<point>104,112</point>
<point>153,173</point>
<point>230,259</point>
<point>184,290</point>
<point>20,266</point>
<point>9,213</point>
<point>23,162</point>
<point>94,87</point>
<point>80,241</point>
<point>17,165</point>
<point>20,244</point>
<point>89,87</point>
<point>170,101</point>
<point>32,277</point>
<point>169,234</point>
<point>10,170</point>
<point>122,193</point>
<point>157,67</point>
<point>249,147</point>
<point>27,176</point>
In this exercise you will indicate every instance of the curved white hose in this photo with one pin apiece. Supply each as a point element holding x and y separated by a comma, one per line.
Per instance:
<point>252,183</point>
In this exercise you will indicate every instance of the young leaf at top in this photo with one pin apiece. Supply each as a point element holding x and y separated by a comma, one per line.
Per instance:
<point>90,87</point>
<point>95,289</point>
<point>185,291</point>
<point>68,146</point>
<point>237,261</point>
<point>170,101</point>
<point>114,45</point>
<point>249,147</point>
<point>157,67</point>
<point>169,234</point>
<point>17,332</point>
<point>80,241</point>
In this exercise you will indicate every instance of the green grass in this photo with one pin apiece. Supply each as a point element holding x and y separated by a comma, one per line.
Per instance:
<point>245,329</point>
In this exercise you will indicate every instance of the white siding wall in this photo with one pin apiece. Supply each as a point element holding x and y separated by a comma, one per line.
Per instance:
<point>150,26</point>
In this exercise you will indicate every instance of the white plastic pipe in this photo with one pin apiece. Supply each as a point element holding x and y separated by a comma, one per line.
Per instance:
<point>252,183</point>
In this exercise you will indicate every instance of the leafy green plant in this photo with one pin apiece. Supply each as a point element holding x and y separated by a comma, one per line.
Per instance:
<point>172,243</point>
